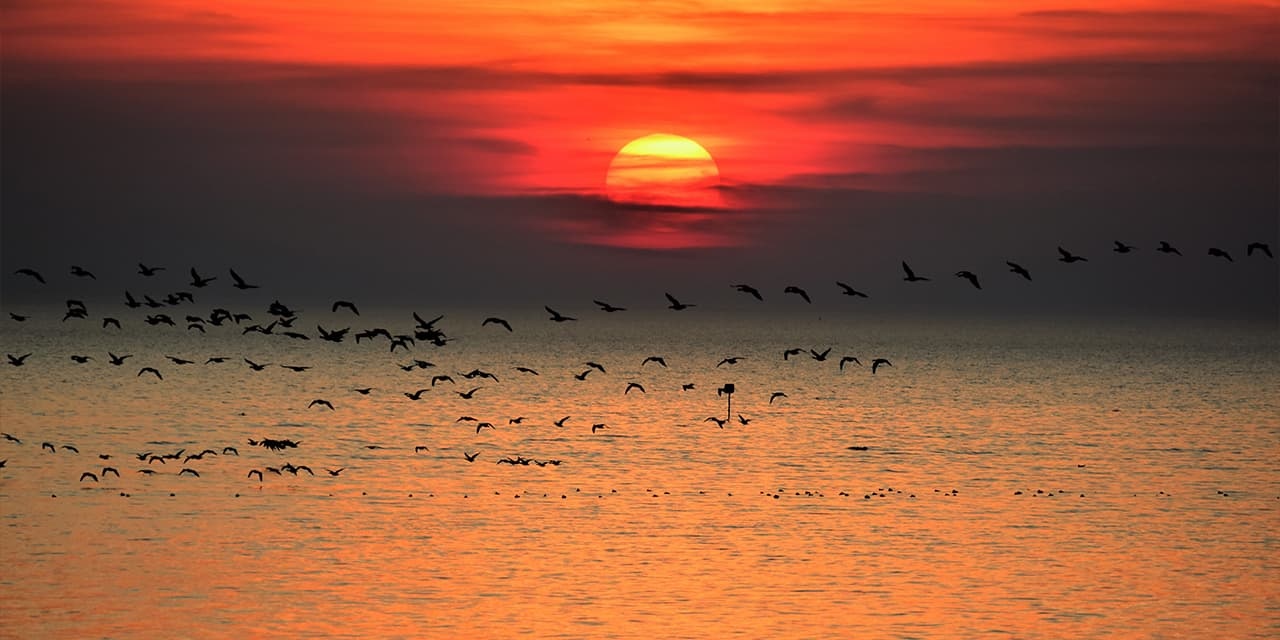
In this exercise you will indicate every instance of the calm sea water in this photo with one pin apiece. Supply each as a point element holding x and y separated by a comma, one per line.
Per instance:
<point>1144,453</point>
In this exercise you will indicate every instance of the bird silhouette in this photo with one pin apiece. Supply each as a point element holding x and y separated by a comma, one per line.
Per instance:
<point>1165,247</point>
<point>850,291</point>
<point>598,426</point>
<point>322,402</point>
<point>441,378</point>
<point>608,308</point>
<point>11,438</point>
<point>1122,247</point>
<point>526,370</point>
<point>688,386</point>
<point>1259,246</point>
<point>296,368</point>
<point>1068,257</point>
<point>562,421</point>
<point>32,273</point>
<point>485,425</point>
<point>470,457</point>
<point>497,321</point>
<point>148,271</point>
<point>199,282</point>
<point>820,356</point>
<point>151,370</point>
<point>88,475</point>
<point>516,420</point>
<point>719,421</point>
<point>416,395</point>
<point>70,448</point>
<point>795,351</point>
<point>656,359</point>
<point>18,361</point>
<point>216,360</point>
<point>255,366</point>
<point>775,395</point>
<point>1018,269</point>
<point>18,317</point>
<point>108,321</point>
<point>730,361</point>
<point>911,275</point>
<point>253,472</point>
<point>875,364</point>
<point>676,305</point>
<point>118,360</point>
<point>179,361</point>
<point>582,376</point>
<point>241,284</point>
<point>339,304</point>
<point>188,470</point>
<point>798,291</point>
<point>597,366</point>
<point>743,421</point>
<point>633,385</point>
<point>467,395</point>
<point>849,359</point>
<point>81,272</point>
<point>1214,251</point>
<point>465,419</point>
<point>971,277</point>
<point>106,470</point>
<point>749,290</point>
<point>557,317</point>
<point>335,472</point>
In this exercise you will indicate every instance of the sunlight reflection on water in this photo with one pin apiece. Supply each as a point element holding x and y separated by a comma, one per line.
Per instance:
<point>1121,443</point>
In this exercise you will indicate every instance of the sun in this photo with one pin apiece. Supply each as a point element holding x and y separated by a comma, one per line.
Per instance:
<point>664,170</point>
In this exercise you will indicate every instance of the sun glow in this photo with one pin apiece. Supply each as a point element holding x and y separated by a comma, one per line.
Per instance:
<point>664,170</point>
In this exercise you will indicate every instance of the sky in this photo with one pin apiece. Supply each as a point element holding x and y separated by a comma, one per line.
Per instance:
<point>440,153</point>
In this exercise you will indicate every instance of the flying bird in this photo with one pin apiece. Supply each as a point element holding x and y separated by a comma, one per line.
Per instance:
<point>151,370</point>
<point>743,421</point>
<point>557,317</point>
<point>719,421</point>
<point>730,361</point>
<point>1214,251</point>
<point>849,359</point>
<point>1260,246</point>
<point>798,291</point>
<point>1068,257</point>
<point>657,359</point>
<point>633,385</point>
<point>255,366</point>
<point>81,272</point>
<point>179,361</point>
<point>88,475</point>
<point>1165,247</point>
<point>190,471</point>
<point>598,426</point>
<point>148,271</point>
<point>199,282</point>
<point>339,304</point>
<point>18,317</point>
<point>1018,269</point>
<point>676,305</point>
<point>31,273</point>
<point>582,376</point>
<point>118,360</point>
<point>561,421</point>
<point>820,356</point>
<point>787,353</point>
<point>441,378</point>
<point>471,457</point>
<point>106,322</point>
<point>688,386</point>
<point>749,290</point>
<point>850,291</point>
<point>335,472</point>
<point>971,277</point>
<point>18,361</point>
<point>775,395</point>
<point>253,472</point>
<point>468,394</point>
<point>608,308</point>
<point>497,321</point>
<point>875,364</point>
<point>526,370</point>
<point>416,395</point>
<point>241,284</point>
<point>594,365</point>
<point>322,402</point>
<point>1122,247</point>
<point>911,275</point>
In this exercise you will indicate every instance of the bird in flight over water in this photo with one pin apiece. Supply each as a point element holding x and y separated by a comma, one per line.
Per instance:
<point>1259,246</point>
<point>1018,269</point>
<point>875,364</point>
<point>557,317</point>
<point>676,305</point>
<point>850,291</point>
<point>971,277</point>
<point>798,291</point>
<point>1165,247</point>
<point>1068,257</point>
<point>911,275</point>
<point>749,290</point>
<point>608,308</point>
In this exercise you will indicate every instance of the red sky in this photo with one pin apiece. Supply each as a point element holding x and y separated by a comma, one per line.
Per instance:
<point>799,102</point>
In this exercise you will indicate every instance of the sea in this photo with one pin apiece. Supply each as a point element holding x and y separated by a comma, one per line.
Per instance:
<point>1037,478</point>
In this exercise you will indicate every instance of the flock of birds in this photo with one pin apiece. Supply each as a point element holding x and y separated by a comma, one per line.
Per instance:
<point>282,323</point>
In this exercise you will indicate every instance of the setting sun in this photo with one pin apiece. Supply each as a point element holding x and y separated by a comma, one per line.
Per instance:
<point>664,170</point>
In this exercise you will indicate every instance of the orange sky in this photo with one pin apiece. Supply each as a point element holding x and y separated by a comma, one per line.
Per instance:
<point>534,98</point>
